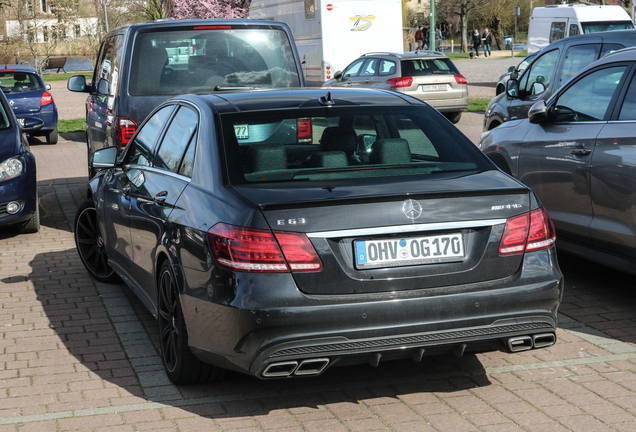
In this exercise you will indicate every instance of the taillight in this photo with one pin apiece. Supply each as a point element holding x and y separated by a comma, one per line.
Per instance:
<point>303,128</point>
<point>126,128</point>
<point>46,98</point>
<point>258,251</point>
<point>528,232</point>
<point>460,79</point>
<point>400,82</point>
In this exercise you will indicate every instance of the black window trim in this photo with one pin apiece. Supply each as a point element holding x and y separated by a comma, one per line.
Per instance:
<point>628,78</point>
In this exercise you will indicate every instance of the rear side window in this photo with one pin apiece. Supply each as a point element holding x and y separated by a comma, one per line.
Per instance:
<point>176,139</point>
<point>344,143</point>
<point>576,58</point>
<point>421,67</point>
<point>387,67</point>
<point>198,60</point>
<point>557,31</point>
<point>19,82</point>
<point>574,30</point>
<point>610,48</point>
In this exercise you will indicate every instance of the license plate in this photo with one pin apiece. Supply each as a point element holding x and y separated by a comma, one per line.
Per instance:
<point>397,252</point>
<point>242,132</point>
<point>435,87</point>
<point>21,121</point>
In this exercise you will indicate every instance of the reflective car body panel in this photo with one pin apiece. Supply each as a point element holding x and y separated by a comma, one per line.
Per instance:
<point>580,160</point>
<point>249,165</point>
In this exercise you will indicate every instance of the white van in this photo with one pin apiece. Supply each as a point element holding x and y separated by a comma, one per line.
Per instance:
<point>330,34</point>
<point>551,23</point>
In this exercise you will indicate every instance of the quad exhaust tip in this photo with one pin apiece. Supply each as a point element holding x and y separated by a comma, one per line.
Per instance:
<point>524,343</point>
<point>288,368</point>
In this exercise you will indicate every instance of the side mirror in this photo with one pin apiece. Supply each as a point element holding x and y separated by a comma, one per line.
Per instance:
<point>31,125</point>
<point>337,75</point>
<point>511,69</point>
<point>512,88</point>
<point>104,158</point>
<point>103,88</point>
<point>514,74</point>
<point>47,86</point>
<point>77,83</point>
<point>538,113</point>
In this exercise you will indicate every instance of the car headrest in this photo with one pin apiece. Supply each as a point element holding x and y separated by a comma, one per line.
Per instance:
<point>393,151</point>
<point>20,77</point>
<point>268,157</point>
<point>339,139</point>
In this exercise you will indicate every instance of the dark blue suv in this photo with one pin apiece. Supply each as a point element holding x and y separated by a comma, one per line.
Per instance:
<point>28,96</point>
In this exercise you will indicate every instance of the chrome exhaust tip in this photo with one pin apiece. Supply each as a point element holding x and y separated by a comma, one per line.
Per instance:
<point>312,366</point>
<point>519,343</point>
<point>543,340</point>
<point>281,369</point>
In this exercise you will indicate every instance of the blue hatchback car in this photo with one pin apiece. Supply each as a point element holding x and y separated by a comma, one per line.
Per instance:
<point>28,96</point>
<point>18,182</point>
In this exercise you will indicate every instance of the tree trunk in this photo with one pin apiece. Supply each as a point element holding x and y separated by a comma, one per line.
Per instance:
<point>463,24</point>
<point>499,35</point>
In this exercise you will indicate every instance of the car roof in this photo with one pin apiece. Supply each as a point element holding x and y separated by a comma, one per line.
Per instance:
<point>267,100</point>
<point>17,68</point>
<point>409,55</point>
<point>169,23</point>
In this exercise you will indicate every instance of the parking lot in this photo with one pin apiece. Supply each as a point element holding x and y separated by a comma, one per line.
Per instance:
<point>76,354</point>
<point>80,355</point>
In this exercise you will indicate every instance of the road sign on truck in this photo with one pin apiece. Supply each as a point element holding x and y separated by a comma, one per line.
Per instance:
<point>330,34</point>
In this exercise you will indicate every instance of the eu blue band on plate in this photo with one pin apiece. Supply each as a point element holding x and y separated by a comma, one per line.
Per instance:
<point>361,251</point>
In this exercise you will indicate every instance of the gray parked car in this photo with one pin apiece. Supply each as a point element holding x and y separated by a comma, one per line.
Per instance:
<point>552,68</point>
<point>577,152</point>
<point>427,75</point>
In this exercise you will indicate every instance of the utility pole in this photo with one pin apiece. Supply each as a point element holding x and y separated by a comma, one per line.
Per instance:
<point>105,14</point>
<point>431,32</point>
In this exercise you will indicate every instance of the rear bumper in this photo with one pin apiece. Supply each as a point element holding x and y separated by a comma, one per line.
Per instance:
<point>250,333</point>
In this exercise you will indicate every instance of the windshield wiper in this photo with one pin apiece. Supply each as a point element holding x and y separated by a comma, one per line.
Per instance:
<point>230,88</point>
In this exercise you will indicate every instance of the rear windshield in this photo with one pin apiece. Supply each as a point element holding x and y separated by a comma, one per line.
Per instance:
<point>419,67</point>
<point>595,27</point>
<point>19,82</point>
<point>196,61</point>
<point>344,143</point>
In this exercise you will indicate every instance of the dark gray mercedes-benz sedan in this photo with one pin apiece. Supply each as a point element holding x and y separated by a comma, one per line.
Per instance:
<point>279,233</point>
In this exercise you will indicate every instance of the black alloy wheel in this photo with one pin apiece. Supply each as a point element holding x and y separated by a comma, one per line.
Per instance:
<point>181,366</point>
<point>90,244</point>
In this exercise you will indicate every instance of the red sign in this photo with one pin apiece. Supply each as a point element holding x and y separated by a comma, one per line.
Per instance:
<point>329,6</point>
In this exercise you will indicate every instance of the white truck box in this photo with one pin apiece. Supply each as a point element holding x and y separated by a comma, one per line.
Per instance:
<point>330,34</point>
<point>551,23</point>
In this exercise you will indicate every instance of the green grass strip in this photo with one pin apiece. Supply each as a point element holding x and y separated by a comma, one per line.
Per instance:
<point>64,76</point>
<point>75,125</point>
<point>477,104</point>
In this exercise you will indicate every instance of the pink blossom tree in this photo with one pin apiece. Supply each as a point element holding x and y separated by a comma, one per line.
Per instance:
<point>185,9</point>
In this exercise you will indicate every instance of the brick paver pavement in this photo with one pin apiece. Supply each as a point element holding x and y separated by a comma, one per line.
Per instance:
<point>79,355</point>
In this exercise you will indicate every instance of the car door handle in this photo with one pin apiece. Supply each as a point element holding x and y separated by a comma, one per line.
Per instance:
<point>580,152</point>
<point>125,190</point>
<point>160,198</point>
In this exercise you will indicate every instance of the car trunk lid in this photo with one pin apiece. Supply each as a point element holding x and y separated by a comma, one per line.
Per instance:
<point>459,223</point>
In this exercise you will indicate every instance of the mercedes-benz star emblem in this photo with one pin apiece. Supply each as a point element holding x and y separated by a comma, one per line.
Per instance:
<point>412,209</point>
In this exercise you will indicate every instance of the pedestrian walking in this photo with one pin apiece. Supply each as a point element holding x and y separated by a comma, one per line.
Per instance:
<point>419,38</point>
<point>476,42</point>
<point>487,38</point>
<point>438,37</point>
<point>427,32</point>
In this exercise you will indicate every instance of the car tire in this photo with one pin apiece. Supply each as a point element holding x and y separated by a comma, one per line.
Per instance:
<point>90,244</point>
<point>51,137</point>
<point>32,225</point>
<point>181,366</point>
<point>454,117</point>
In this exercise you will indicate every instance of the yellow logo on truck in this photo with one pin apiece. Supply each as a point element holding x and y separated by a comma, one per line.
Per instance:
<point>361,22</point>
